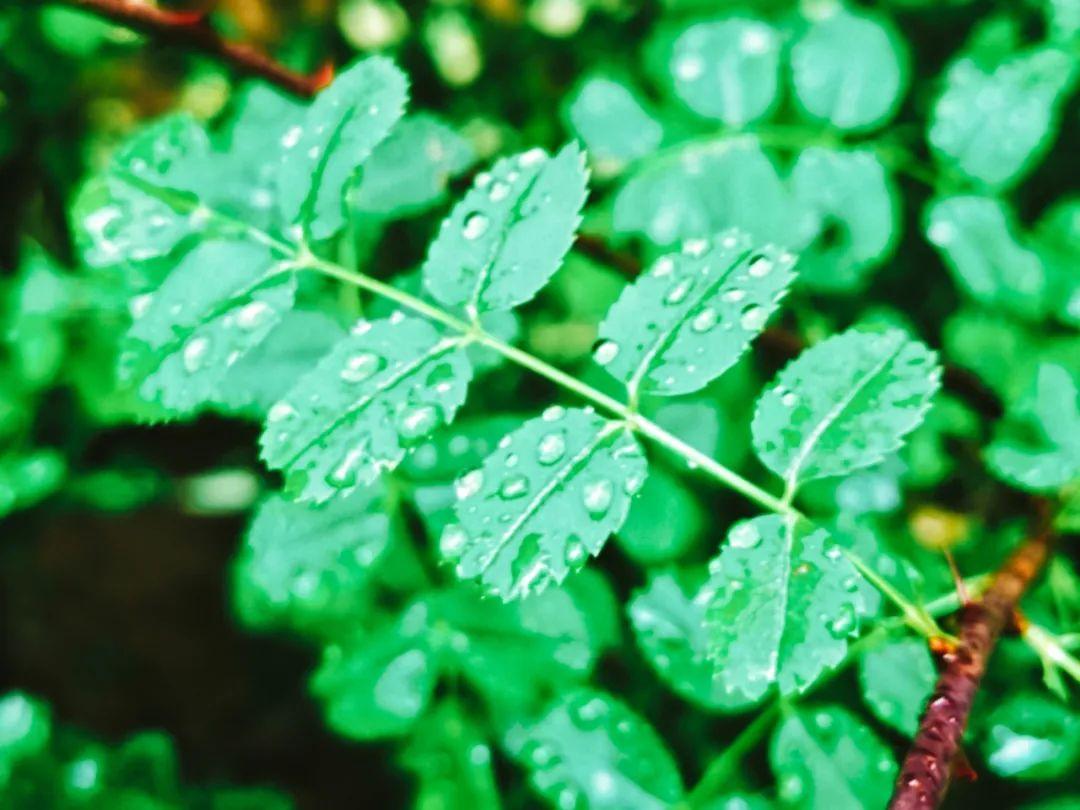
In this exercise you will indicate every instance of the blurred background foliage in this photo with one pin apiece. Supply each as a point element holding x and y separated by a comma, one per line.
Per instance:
<point>939,196</point>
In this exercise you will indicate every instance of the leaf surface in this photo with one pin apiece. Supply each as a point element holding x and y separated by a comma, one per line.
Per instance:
<point>379,391</point>
<point>783,607</point>
<point>693,314</point>
<point>844,404</point>
<point>896,679</point>
<point>543,502</point>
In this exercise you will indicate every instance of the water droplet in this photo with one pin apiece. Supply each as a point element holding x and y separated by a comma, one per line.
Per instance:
<point>689,67</point>
<point>498,191</point>
<point>292,137</point>
<point>789,399</point>
<point>452,542</point>
<point>280,411</point>
<point>753,318</point>
<point>552,447</point>
<point>418,422</point>
<point>823,720</point>
<point>532,157</point>
<point>361,366</point>
<point>744,535</point>
<point>606,352</point>
<point>139,305</point>
<point>678,293</point>
<point>253,314</point>
<point>553,413</point>
<point>664,266</point>
<point>195,351</point>
<point>476,225</point>
<point>695,247</point>
<point>575,553</point>
<point>633,483</point>
<point>344,474</point>
<point>469,484</point>
<point>589,713</point>
<point>791,788</point>
<point>597,497</point>
<point>734,296</point>
<point>516,486</point>
<point>844,623</point>
<point>704,320</point>
<point>760,267</point>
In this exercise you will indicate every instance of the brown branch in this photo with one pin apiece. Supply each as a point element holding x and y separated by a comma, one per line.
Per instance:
<point>192,30</point>
<point>785,343</point>
<point>924,776</point>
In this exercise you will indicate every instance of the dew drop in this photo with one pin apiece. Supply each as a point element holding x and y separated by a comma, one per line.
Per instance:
<point>476,225</point>
<point>344,474</point>
<point>418,422</point>
<point>760,267</point>
<point>253,315</point>
<point>695,247</point>
<point>498,191</point>
<point>689,67</point>
<point>678,293</point>
<point>280,411</point>
<point>361,366</point>
<point>516,486</point>
<point>575,553</point>
<point>195,351</point>
<point>139,305</point>
<point>452,542</point>
<point>744,535</point>
<point>597,497</point>
<point>606,352</point>
<point>704,320</point>
<point>753,318</point>
<point>292,137</point>
<point>553,413</point>
<point>469,484</point>
<point>664,267</point>
<point>789,399</point>
<point>532,157</point>
<point>734,296</point>
<point>551,448</point>
<point>844,623</point>
<point>633,484</point>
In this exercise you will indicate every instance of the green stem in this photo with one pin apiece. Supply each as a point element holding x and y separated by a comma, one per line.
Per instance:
<point>718,775</point>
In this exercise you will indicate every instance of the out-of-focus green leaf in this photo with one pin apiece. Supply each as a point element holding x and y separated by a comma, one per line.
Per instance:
<point>612,122</point>
<point>1031,736</point>
<point>896,679</point>
<point>663,522</point>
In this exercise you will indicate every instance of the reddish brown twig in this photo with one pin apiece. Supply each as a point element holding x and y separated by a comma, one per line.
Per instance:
<point>193,30</point>
<point>924,776</point>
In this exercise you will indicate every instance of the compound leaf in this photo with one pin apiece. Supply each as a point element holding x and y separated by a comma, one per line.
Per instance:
<point>549,497</point>
<point>844,404</point>
<point>693,314</point>
<point>849,70</point>
<point>1038,448</point>
<point>728,70</point>
<point>994,126</point>
<point>668,620</point>
<point>381,389</point>
<point>783,607</point>
<point>591,751</point>
<point>509,234</point>
<point>220,301</point>
<point>896,678</point>
<point>340,129</point>
<point>826,759</point>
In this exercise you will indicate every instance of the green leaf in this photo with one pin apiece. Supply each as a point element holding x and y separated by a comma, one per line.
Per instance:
<point>1038,448</point>
<point>826,759</point>
<point>858,210</point>
<point>668,619</point>
<point>849,70</point>
<point>29,477</point>
<point>25,729</point>
<point>728,70</point>
<point>994,125</point>
<point>264,375</point>
<point>377,685</point>
<point>409,171</point>
<point>1057,241</point>
<point>980,244</point>
<point>1032,736</point>
<point>783,607</point>
<point>506,238</point>
<point>590,751</point>
<point>612,122</point>
<point>896,679</point>
<point>344,123</point>
<point>380,390</point>
<point>220,301</point>
<point>309,567</point>
<point>844,404</point>
<point>549,497</point>
<point>144,204</point>
<point>693,314</point>
<point>663,522</point>
<point>452,762</point>
<point>708,187</point>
